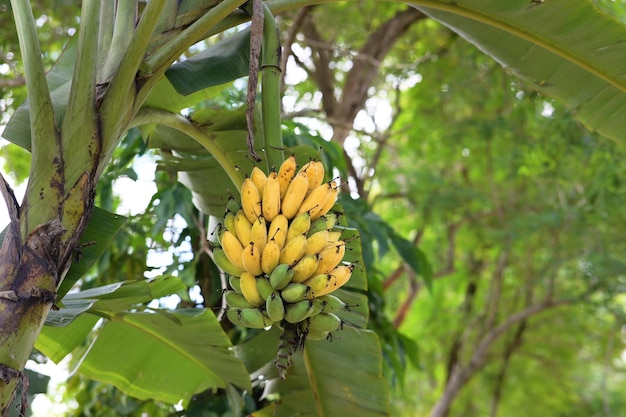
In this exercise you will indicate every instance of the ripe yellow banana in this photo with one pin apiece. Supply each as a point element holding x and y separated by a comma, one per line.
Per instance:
<point>293,251</point>
<point>278,230</point>
<point>259,178</point>
<point>334,236</point>
<point>271,197</point>
<point>315,174</point>
<point>222,261</point>
<point>320,284</point>
<point>286,173</point>
<point>250,200</point>
<point>274,307</point>
<point>258,233</point>
<point>300,225</point>
<point>251,259</point>
<point>330,257</point>
<point>305,268</point>
<point>316,198</point>
<point>297,312</point>
<point>249,289</point>
<point>232,248</point>
<point>342,274</point>
<point>317,242</point>
<point>229,222</point>
<point>270,256</point>
<point>323,208</point>
<point>243,228</point>
<point>295,195</point>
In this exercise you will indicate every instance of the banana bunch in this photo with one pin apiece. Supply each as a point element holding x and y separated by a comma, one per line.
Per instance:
<point>282,253</point>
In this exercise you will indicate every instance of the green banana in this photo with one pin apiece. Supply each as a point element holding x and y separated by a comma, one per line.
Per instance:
<point>295,313</point>
<point>274,307</point>
<point>318,225</point>
<point>264,287</point>
<point>318,306</point>
<point>235,283</point>
<point>254,318</point>
<point>281,276</point>
<point>294,292</point>
<point>232,205</point>
<point>222,261</point>
<point>332,304</point>
<point>235,299</point>
<point>324,322</point>
<point>315,335</point>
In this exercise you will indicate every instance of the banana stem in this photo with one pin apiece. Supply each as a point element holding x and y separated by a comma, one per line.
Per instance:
<point>175,121</point>
<point>270,87</point>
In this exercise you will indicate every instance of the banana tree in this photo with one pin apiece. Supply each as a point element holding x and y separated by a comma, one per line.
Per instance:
<point>118,73</point>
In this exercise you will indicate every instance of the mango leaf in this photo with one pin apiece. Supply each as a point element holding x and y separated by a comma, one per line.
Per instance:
<point>342,377</point>
<point>567,50</point>
<point>225,61</point>
<point>164,355</point>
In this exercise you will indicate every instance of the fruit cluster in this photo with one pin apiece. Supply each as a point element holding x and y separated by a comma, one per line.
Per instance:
<point>281,251</point>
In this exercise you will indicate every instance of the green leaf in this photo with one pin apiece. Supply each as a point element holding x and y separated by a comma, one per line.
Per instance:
<point>58,342</point>
<point>567,50</point>
<point>165,357</point>
<point>414,257</point>
<point>225,61</point>
<point>102,228</point>
<point>342,377</point>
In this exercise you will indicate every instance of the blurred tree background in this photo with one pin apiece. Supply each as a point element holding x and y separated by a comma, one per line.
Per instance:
<point>515,207</point>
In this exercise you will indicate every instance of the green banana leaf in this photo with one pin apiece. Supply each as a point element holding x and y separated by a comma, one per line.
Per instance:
<point>564,49</point>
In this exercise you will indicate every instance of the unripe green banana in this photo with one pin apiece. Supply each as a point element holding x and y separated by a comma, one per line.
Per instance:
<point>234,316</point>
<point>254,318</point>
<point>295,313</point>
<point>221,260</point>
<point>274,307</point>
<point>318,306</point>
<point>234,299</point>
<point>318,225</point>
<point>281,276</point>
<point>324,322</point>
<point>315,335</point>
<point>232,205</point>
<point>295,292</point>
<point>235,283</point>
<point>264,287</point>
<point>332,304</point>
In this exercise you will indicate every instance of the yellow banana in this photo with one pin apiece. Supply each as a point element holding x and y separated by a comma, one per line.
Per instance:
<point>222,261</point>
<point>305,268</point>
<point>297,312</point>
<point>286,173</point>
<point>330,257</point>
<point>259,178</point>
<point>334,236</point>
<point>323,208</point>
<point>251,259</point>
<point>229,222</point>
<point>232,248</point>
<point>319,284</point>
<point>342,274</point>
<point>271,197</point>
<point>300,225</point>
<point>278,230</point>
<point>249,289</point>
<point>316,198</point>
<point>234,299</point>
<point>274,307</point>
<point>270,256</point>
<point>258,233</point>
<point>315,174</point>
<point>243,228</point>
<point>317,242</point>
<point>281,276</point>
<point>250,200</point>
<point>295,195</point>
<point>293,250</point>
